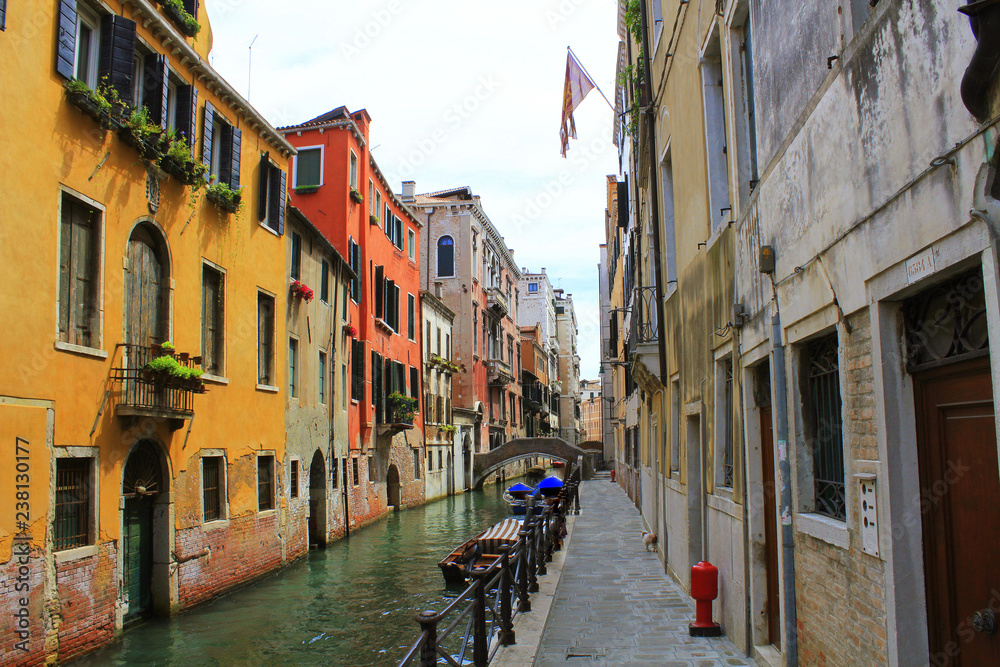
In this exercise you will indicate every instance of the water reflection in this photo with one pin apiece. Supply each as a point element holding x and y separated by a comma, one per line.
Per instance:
<point>351,604</point>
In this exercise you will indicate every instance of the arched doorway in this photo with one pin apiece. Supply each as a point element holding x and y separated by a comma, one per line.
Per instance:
<point>317,500</point>
<point>147,280</point>
<point>392,487</point>
<point>145,531</point>
<point>466,461</point>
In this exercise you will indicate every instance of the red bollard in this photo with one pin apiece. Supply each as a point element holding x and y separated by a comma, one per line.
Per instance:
<point>704,589</point>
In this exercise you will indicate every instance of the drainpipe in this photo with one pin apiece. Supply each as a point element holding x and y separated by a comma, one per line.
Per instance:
<point>785,472</point>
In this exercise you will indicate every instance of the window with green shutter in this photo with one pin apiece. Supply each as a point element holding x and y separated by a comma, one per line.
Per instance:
<point>79,273</point>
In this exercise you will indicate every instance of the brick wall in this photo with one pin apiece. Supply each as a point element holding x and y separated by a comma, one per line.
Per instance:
<point>87,588</point>
<point>13,578</point>
<point>840,594</point>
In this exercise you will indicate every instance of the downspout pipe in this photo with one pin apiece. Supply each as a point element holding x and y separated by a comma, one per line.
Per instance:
<point>785,473</point>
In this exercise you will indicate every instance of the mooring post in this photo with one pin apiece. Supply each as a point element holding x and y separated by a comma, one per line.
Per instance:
<point>506,592</point>
<point>532,546</point>
<point>524,604</point>
<point>480,647</point>
<point>542,529</point>
<point>428,652</point>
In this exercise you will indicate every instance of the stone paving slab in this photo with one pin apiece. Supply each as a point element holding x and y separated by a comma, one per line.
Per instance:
<point>613,605</point>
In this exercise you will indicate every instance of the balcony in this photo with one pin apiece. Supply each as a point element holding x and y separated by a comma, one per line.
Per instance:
<point>643,320</point>
<point>498,372</point>
<point>497,300</point>
<point>140,392</point>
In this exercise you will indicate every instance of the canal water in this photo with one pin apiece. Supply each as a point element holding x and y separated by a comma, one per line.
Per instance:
<point>352,603</point>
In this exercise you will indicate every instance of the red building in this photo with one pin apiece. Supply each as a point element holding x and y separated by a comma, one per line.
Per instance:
<point>337,184</point>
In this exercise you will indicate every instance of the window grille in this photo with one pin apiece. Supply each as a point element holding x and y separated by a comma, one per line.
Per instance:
<point>828,445</point>
<point>211,487</point>
<point>265,483</point>
<point>293,478</point>
<point>72,525</point>
<point>727,423</point>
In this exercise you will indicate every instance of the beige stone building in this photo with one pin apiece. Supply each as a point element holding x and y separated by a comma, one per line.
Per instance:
<point>446,469</point>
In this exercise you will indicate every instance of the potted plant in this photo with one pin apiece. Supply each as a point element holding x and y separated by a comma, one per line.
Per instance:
<point>447,428</point>
<point>402,407</point>
<point>89,101</point>
<point>167,347</point>
<point>350,331</point>
<point>306,189</point>
<point>372,218</point>
<point>301,291</point>
<point>357,196</point>
<point>142,135</point>
<point>176,160</point>
<point>175,10</point>
<point>223,196</point>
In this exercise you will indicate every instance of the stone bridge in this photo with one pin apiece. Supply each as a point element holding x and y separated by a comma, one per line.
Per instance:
<point>521,448</point>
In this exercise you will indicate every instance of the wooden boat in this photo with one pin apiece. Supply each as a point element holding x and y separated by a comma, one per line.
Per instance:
<point>516,497</point>
<point>550,486</point>
<point>484,549</point>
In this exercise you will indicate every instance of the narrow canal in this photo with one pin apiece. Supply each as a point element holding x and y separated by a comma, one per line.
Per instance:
<point>352,603</point>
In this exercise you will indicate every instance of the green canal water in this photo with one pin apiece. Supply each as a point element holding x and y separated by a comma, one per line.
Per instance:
<point>352,603</point>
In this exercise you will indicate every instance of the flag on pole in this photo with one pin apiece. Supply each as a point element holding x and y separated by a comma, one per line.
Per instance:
<point>578,84</point>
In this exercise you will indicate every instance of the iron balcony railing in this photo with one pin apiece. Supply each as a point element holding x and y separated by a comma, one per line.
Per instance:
<point>498,371</point>
<point>643,316</point>
<point>142,392</point>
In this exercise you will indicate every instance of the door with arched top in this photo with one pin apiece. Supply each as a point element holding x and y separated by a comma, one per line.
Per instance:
<point>392,487</point>
<point>147,276</point>
<point>143,489</point>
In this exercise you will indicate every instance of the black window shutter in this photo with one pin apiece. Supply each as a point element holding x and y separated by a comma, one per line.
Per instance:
<point>265,171</point>
<point>156,78</point>
<point>191,7</point>
<point>623,203</point>
<point>3,14</point>
<point>414,382</point>
<point>117,50</point>
<point>234,170</point>
<point>225,140</point>
<point>379,292</point>
<point>207,138</point>
<point>187,112</point>
<point>276,201</point>
<point>66,44</point>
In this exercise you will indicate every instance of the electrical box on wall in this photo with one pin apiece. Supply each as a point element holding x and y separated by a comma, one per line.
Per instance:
<point>868,513</point>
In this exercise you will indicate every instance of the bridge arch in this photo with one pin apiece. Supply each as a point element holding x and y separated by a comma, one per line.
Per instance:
<point>521,448</point>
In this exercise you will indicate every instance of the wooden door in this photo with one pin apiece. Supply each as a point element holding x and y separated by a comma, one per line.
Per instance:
<point>137,558</point>
<point>772,601</point>
<point>145,305</point>
<point>960,490</point>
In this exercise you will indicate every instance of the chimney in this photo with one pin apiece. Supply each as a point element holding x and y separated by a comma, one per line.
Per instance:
<point>409,190</point>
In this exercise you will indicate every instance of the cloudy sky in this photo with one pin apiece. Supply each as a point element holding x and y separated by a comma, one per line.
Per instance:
<point>460,93</point>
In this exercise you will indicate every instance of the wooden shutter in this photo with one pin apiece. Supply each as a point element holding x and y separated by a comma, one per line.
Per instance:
<point>117,51</point>
<point>207,124</point>
<point>623,203</point>
<point>389,292</point>
<point>191,7</point>
<point>379,292</point>
<point>225,140</point>
<point>3,14</point>
<point>414,383</point>
<point>157,77</point>
<point>276,205</point>
<point>187,112</point>
<point>265,170</point>
<point>66,43</point>
<point>234,169</point>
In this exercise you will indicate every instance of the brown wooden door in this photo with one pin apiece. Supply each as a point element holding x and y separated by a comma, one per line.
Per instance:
<point>145,304</point>
<point>772,602</point>
<point>960,491</point>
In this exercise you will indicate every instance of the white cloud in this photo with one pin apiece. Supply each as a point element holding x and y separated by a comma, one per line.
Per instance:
<point>460,94</point>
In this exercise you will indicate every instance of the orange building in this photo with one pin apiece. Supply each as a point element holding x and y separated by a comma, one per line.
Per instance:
<point>339,187</point>
<point>136,493</point>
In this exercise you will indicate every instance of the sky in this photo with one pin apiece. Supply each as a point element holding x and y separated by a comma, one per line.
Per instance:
<point>460,93</point>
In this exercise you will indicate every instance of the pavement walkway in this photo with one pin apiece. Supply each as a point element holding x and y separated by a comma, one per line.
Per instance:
<point>613,604</point>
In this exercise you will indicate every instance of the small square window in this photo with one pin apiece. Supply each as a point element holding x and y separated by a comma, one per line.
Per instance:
<point>532,287</point>
<point>309,167</point>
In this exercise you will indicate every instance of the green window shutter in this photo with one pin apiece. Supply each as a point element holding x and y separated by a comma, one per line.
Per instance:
<point>117,51</point>
<point>234,170</point>
<point>276,203</point>
<point>207,138</point>
<point>379,292</point>
<point>225,140</point>
<point>66,43</point>
<point>265,170</point>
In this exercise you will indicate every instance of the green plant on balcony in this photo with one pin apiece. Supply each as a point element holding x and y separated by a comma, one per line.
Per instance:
<point>373,219</point>
<point>402,407</point>
<point>167,371</point>
<point>447,428</point>
<point>89,101</point>
<point>176,160</point>
<point>175,10</point>
<point>144,136</point>
<point>357,196</point>
<point>223,196</point>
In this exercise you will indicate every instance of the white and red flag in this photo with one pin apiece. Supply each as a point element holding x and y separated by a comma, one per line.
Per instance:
<point>578,84</point>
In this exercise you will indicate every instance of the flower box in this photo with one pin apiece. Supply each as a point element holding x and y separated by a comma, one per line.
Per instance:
<point>350,331</point>
<point>302,291</point>
<point>357,196</point>
<point>184,21</point>
<point>185,172</point>
<point>147,150</point>
<point>306,189</point>
<point>373,219</point>
<point>226,204</point>
<point>85,103</point>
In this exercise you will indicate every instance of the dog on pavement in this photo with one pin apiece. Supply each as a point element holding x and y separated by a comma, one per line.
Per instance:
<point>649,540</point>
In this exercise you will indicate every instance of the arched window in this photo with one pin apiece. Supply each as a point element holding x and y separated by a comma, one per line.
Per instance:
<point>446,257</point>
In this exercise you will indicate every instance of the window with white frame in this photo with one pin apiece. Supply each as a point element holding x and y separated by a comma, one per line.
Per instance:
<point>213,320</point>
<point>724,422</point>
<point>321,377</point>
<point>74,503</point>
<point>293,367</point>
<point>265,483</point>
<point>79,272</point>
<point>354,170</point>
<point>411,244</point>
<point>213,487</point>
<point>308,167</point>
<point>714,106</point>
<point>669,235</point>
<point>265,339</point>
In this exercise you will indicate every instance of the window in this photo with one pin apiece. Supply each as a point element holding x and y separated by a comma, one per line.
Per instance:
<point>354,170</point>
<point>724,422</point>
<point>355,471</point>
<point>411,244</point>
<point>345,290</point>
<point>675,425</point>
<point>416,464</point>
<point>532,287</point>
<point>265,483</point>
<point>79,273</point>
<point>475,330</point>
<point>378,203</point>
<point>212,487</point>
<point>74,503</point>
<point>271,195</point>
<point>358,370</point>
<point>296,261</point>
<point>220,149</point>
<point>212,320</point>
<point>79,46</point>
<point>293,479</point>
<point>715,134</point>
<point>427,338</point>
<point>371,197</point>
<point>308,168</point>
<point>3,14</point>
<point>669,239</point>
<point>371,469</point>
<point>354,257</point>
<point>411,317</point>
<point>447,346</point>
<point>335,472</point>
<point>293,367</point>
<point>265,339</point>
<point>321,378</point>
<point>414,384</point>
<point>324,282</point>
<point>446,257</point>
<point>824,425</point>
<point>745,123</point>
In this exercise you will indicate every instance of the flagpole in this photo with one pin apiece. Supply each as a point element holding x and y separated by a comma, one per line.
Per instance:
<point>570,49</point>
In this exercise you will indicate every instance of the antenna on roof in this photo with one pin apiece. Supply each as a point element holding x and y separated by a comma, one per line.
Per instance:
<point>250,63</point>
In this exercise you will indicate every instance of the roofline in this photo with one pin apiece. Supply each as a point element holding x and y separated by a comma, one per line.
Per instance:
<point>330,124</point>
<point>438,303</point>
<point>402,206</point>
<point>171,39</point>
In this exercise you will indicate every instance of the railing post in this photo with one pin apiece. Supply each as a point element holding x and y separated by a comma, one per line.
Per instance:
<point>533,556</point>
<point>543,526</point>
<point>549,543</point>
<point>506,635</point>
<point>524,603</point>
<point>480,648</point>
<point>428,652</point>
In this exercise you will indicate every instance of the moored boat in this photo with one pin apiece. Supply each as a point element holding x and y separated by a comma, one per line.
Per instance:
<point>480,551</point>
<point>550,486</point>
<point>516,497</point>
